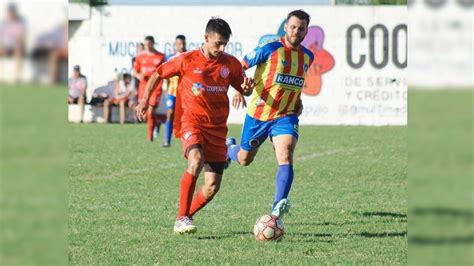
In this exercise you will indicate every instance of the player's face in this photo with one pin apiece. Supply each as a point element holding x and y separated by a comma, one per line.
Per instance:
<point>215,44</point>
<point>149,45</point>
<point>296,30</point>
<point>179,45</point>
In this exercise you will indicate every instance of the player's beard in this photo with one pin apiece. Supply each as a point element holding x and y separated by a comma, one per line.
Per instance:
<point>294,41</point>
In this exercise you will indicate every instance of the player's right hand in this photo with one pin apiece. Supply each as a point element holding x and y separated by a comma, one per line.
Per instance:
<point>237,100</point>
<point>141,110</point>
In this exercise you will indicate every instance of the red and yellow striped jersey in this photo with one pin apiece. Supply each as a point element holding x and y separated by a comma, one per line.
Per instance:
<point>279,78</point>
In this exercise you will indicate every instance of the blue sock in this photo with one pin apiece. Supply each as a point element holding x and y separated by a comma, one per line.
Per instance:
<point>232,152</point>
<point>284,179</point>
<point>168,130</point>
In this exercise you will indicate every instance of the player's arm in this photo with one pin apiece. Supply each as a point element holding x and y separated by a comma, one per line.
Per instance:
<point>136,69</point>
<point>151,85</point>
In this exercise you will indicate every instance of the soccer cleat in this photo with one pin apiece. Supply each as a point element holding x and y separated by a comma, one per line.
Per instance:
<point>229,142</point>
<point>165,145</point>
<point>281,208</point>
<point>184,225</point>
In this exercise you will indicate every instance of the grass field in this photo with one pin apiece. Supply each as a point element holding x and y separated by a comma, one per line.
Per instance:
<point>349,200</point>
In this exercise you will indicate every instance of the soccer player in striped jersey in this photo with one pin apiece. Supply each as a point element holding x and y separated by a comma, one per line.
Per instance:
<point>275,103</point>
<point>180,47</point>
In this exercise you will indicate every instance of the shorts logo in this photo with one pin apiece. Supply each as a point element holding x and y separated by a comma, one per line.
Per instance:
<point>169,103</point>
<point>296,127</point>
<point>187,135</point>
<point>254,143</point>
<point>197,88</point>
<point>289,80</point>
<point>224,72</point>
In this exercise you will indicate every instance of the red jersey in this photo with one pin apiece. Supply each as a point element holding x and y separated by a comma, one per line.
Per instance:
<point>146,62</point>
<point>201,97</point>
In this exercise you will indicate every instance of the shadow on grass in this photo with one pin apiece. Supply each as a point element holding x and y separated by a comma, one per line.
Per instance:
<point>383,234</point>
<point>384,214</point>
<point>289,237</point>
<point>446,212</point>
<point>444,240</point>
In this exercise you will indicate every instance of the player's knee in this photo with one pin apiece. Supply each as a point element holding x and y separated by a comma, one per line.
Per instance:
<point>285,157</point>
<point>195,164</point>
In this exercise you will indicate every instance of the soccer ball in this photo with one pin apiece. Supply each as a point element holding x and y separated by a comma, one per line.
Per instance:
<point>269,228</point>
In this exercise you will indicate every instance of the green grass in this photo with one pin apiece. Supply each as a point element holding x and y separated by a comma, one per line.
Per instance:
<point>440,177</point>
<point>349,200</point>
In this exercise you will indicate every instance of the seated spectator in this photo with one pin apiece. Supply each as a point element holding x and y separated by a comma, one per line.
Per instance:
<point>77,89</point>
<point>12,38</point>
<point>124,92</point>
<point>53,46</point>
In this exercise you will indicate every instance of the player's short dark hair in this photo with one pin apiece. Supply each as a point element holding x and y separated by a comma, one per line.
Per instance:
<point>299,14</point>
<point>219,26</point>
<point>150,38</point>
<point>181,37</point>
<point>126,75</point>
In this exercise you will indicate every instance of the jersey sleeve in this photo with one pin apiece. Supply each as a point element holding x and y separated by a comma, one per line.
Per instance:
<point>173,67</point>
<point>259,54</point>
<point>136,64</point>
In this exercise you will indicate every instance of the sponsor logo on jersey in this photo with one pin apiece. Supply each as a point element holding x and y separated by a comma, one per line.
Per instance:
<point>289,80</point>
<point>197,88</point>
<point>197,70</point>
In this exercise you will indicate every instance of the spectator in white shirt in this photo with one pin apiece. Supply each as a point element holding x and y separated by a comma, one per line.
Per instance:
<point>77,89</point>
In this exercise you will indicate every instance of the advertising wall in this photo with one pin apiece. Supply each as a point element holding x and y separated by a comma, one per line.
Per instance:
<point>358,77</point>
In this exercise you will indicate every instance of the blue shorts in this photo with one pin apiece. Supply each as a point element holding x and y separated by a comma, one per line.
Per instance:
<point>170,101</point>
<point>255,132</point>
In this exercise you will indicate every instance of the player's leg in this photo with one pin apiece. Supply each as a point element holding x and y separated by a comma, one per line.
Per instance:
<point>170,102</point>
<point>212,183</point>
<point>150,123</point>
<point>284,137</point>
<point>195,157</point>
<point>254,133</point>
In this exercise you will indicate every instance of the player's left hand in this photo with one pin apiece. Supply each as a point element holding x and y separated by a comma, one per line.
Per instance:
<point>299,107</point>
<point>248,86</point>
<point>237,100</point>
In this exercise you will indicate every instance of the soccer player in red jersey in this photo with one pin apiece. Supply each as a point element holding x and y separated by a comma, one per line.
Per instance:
<point>275,105</point>
<point>144,66</point>
<point>180,47</point>
<point>202,108</point>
